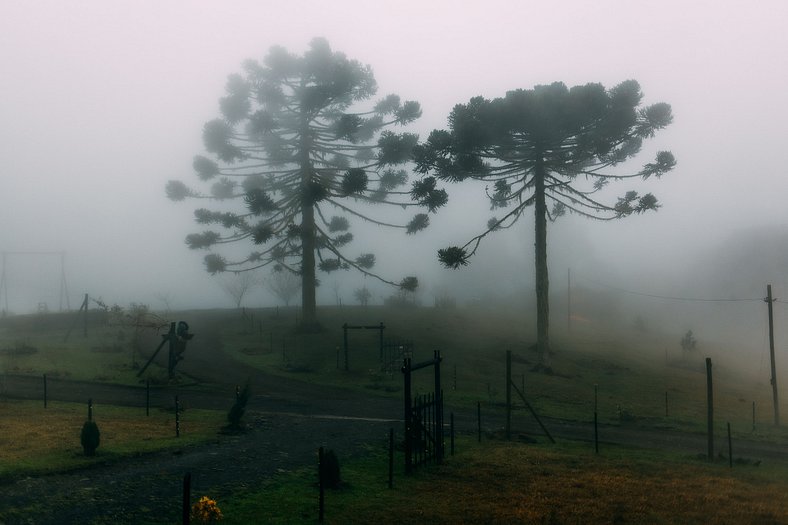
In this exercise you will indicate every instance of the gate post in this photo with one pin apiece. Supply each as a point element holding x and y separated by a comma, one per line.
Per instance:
<point>438,409</point>
<point>382,326</point>
<point>508,395</point>
<point>344,329</point>
<point>408,419</point>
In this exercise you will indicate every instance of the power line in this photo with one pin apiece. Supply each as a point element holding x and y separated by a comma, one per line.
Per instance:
<point>674,298</point>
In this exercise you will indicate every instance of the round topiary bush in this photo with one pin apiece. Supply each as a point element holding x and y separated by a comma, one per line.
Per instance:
<point>90,437</point>
<point>329,470</point>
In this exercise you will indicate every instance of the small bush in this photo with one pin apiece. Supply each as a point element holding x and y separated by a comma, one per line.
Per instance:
<point>236,413</point>
<point>90,437</point>
<point>329,470</point>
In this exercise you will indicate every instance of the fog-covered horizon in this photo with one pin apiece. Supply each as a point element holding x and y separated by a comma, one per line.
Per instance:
<point>103,103</point>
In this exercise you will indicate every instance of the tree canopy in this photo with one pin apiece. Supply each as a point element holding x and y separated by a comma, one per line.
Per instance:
<point>299,150</point>
<point>549,144</point>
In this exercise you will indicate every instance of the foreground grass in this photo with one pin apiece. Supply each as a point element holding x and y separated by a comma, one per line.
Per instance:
<point>515,483</point>
<point>35,440</point>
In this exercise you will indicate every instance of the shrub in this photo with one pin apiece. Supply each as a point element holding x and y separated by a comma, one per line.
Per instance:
<point>329,470</point>
<point>688,342</point>
<point>90,437</point>
<point>236,412</point>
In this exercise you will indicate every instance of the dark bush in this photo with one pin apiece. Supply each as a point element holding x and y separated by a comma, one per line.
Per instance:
<point>236,412</point>
<point>90,438</point>
<point>329,470</point>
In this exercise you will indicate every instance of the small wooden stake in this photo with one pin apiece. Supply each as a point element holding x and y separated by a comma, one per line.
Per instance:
<point>186,506</point>
<point>177,418</point>
<point>322,496</point>
<point>479,419</point>
<point>391,458</point>
<point>666,403</point>
<point>451,429</point>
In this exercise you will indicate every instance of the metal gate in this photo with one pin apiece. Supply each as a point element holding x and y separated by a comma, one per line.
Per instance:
<point>393,352</point>
<point>423,418</point>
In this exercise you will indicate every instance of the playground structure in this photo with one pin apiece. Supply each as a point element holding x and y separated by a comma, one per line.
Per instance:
<point>41,306</point>
<point>177,338</point>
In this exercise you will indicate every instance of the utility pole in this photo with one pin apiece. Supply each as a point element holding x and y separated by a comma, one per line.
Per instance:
<point>568,299</point>
<point>769,300</point>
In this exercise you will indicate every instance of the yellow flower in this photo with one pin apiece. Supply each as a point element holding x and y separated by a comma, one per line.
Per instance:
<point>206,511</point>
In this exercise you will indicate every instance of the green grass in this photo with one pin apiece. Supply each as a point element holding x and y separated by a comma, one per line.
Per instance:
<point>497,482</point>
<point>58,345</point>
<point>632,371</point>
<point>36,440</point>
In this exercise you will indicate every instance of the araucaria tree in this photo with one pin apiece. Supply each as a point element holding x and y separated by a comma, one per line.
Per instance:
<point>547,145</point>
<point>298,150</point>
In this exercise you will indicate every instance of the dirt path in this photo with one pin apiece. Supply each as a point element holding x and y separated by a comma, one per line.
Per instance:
<point>288,420</point>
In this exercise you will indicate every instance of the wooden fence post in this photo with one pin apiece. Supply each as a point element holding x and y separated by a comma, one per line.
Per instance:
<point>596,418</point>
<point>666,403</point>
<point>322,495</point>
<point>344,330</point>
<point>479,419</point>
<point>508,395</point>
<point>186,502</point>
<point>408,418</point>
<point>710,409</point>
<point>775,397</point>
<point>438,404</point>
<point>391,458</point>
<point>451,429</point>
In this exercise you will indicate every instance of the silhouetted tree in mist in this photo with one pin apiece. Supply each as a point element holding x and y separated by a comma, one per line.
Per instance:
<point>237,285</point>
<point>549,144</point>
<point>284,284</point>
<point>296,143</point>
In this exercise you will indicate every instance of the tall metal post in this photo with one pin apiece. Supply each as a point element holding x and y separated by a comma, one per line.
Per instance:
<point>438,408</point>
<point>769,301</point>
<point>508,394</point>
<point>408,418</point>
<point>382,326</point>
<point>344,327</point>
<point>710,409</point>
<point>568,299</point>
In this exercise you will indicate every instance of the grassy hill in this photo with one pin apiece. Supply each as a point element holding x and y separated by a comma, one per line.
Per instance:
<point>641,378</point>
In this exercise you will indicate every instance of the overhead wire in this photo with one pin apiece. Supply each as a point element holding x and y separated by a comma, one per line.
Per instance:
<point>674,298</point>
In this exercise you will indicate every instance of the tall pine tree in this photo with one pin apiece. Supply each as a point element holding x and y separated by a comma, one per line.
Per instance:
<point>549,144</point>
<point>300,150</point>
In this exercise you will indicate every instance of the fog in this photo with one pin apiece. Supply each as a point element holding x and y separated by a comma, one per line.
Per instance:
<point>101,103</point>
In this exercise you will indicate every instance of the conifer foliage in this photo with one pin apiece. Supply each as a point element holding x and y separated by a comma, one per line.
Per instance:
<point>299,150</point>
<point>547,145</point>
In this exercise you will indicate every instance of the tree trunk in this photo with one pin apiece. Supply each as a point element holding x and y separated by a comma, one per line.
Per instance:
<point>308,280</point>
<point>542,281</point>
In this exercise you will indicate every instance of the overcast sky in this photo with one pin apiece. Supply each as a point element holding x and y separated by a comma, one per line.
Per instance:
<point>102,102</point>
